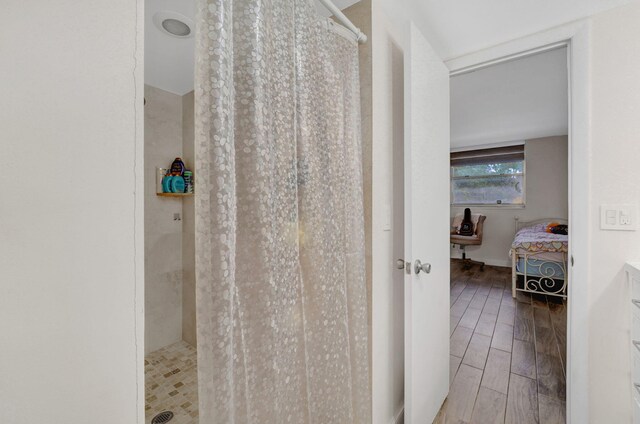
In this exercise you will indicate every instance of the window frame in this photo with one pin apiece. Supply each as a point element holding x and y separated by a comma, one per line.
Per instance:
<point>522,205</point>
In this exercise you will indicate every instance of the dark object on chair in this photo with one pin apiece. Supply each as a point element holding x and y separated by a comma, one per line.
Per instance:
<point>466,226</point>
<point>475,239</point>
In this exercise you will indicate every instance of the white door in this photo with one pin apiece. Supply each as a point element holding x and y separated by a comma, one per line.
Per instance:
<point>426,230</point>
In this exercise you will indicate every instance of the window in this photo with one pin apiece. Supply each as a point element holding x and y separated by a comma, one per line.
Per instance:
<point>488,176</point>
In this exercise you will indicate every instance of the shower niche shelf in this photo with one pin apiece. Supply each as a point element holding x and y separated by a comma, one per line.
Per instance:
<point>174,194</point>
<point>161,173</point>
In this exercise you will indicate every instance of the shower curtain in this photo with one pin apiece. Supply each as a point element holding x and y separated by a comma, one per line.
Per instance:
<point>281,295</point>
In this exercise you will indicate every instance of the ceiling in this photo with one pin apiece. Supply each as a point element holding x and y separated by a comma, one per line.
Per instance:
<point>169,61</point>
<point>455,28</point>
<point>518,100</point>
<point>342,4</point>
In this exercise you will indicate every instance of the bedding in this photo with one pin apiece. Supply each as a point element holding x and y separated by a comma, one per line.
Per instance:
<point>545,254</point>
<point>535,239</point>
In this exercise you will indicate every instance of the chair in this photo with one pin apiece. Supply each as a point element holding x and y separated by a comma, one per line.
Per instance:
<point>464,241</point>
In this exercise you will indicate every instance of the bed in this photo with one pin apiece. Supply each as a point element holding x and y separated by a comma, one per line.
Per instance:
<point>539,259</point>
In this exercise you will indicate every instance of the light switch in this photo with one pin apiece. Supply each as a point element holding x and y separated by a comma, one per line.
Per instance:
<point>619,217</point>
<point>386,225</point>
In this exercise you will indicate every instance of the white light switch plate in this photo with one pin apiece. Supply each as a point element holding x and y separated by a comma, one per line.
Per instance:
<point>618,217</point>
<point>386,225</point>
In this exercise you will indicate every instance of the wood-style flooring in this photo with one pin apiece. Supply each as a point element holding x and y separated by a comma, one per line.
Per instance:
<point>508,355</point>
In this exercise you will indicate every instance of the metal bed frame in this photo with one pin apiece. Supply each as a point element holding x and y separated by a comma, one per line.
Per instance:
<point>545,281</point>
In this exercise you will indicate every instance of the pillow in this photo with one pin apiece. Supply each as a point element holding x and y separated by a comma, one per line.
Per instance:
<point>557,228</point>
<point>550,226</point>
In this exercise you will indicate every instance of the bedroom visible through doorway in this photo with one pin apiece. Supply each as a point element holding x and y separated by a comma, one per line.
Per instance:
<point>509,242</point>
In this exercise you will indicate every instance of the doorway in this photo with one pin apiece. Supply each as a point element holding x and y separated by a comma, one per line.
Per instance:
<point>510,273</point>
<point>170,365</point>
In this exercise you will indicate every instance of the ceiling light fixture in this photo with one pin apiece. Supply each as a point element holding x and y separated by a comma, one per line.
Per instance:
<point>176,27</point>
<point>173,24</point>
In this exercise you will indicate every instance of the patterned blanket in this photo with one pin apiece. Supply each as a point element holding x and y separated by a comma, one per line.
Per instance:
<point>536,239</point>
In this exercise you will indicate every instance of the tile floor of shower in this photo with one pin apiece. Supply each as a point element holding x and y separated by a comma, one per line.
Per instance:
<point>171,383</point>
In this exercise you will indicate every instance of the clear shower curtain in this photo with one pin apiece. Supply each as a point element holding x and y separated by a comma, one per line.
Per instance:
<point>281,295</point>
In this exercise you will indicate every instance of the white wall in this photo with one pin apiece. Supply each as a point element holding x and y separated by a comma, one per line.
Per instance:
<point>546,197</point>
<point>71,302</point>
<point>387,186</point>
<point>614,178</point>
<point>457,28</point>
<point>163,235</point>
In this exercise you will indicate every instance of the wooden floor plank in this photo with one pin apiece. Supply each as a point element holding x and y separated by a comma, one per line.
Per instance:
<point>456,289</point>
<point>523,329</point>
<point>502,336</point>
<point>558,313</point>
<point>552,411</point>
<point>468,292</point>
<point>496,373</point>
<point>454,364</point>
<point>499,283</point>
<point>539,301</point>
<point>496,292</point>
<point>541,317</point>
<point>522,401</point>
<point>524,310</point>
<point>550,377</point>
<point>476,355</point>
<point>561,339</point>
<point>478,301</point>
<point>453,323</point>
<point>470,318</point>
<point>489,408</point>
<point>492,306</point>
<point>515,348</point>
<point>506,314</point>
<point>459,307</point>
<point>483,289</point>
<point>545,340</point>
<point>523,359</point>
<point>507,296</point>
<point>486,324</point>
<point>462,394</point>
<point>459,341</point>
<point>557,310</point>
<point>522,297</point>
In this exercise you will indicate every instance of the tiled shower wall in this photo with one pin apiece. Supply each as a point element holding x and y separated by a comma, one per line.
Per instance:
<point>169,243</point>
<point>188,228</point>
<point>163,235</point>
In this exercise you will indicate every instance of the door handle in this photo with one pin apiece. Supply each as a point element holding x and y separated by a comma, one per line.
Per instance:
<point>402,264</point>
<point>419,266</point>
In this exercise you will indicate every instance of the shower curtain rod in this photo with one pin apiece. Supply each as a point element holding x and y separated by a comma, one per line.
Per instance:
<point>360,36</point>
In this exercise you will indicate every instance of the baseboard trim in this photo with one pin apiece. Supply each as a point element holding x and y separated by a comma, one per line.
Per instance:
<point>399,417</point>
